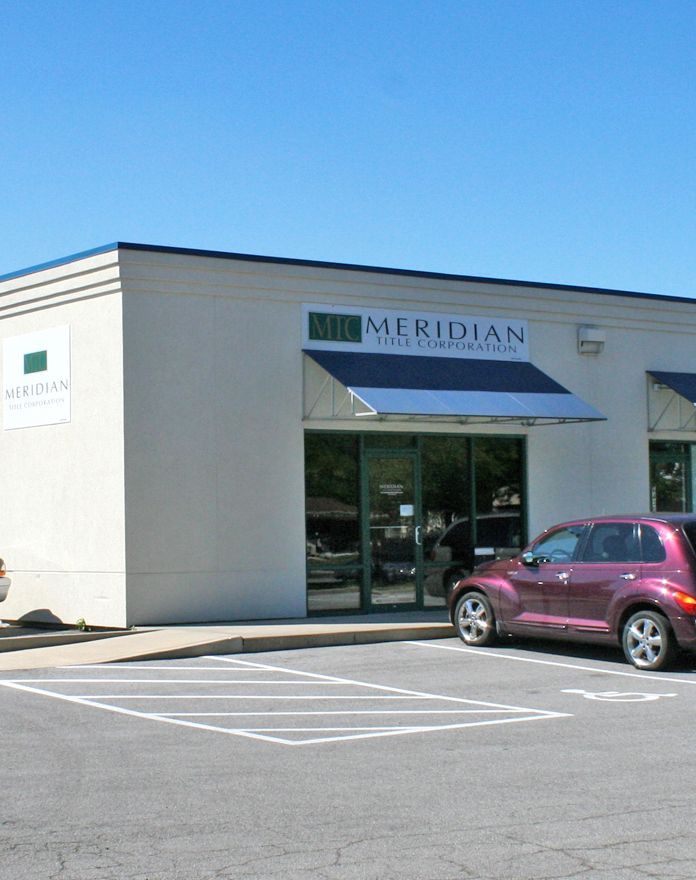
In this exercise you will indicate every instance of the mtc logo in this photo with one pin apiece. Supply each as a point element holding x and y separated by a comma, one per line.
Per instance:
<point>330,327</point>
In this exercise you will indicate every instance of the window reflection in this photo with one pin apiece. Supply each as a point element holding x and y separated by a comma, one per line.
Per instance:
<point>456,538</point>
<point>445,469</point>
<point>333,589</point>
<point>671,476</point>
<point>499,527</point>
<point>332,522</point>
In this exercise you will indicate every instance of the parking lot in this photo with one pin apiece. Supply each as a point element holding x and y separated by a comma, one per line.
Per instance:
<point>233,696</point>
<point>412,759</point>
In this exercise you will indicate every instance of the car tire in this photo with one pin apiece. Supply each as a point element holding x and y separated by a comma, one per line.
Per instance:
<point>648,642</point>
<point>474,620</point>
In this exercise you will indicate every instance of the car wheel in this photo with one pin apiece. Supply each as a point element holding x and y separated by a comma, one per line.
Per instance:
<point>474,620</point>
<point>647,641</point>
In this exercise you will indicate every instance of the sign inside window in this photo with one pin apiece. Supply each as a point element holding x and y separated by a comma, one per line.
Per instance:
<point>391,489</point>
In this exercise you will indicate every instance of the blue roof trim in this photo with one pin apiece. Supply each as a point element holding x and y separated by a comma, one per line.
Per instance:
<point>61,261</point>
<point>351,267</point>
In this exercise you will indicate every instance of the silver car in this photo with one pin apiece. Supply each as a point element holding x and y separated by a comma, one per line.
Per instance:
<point>4,582</point>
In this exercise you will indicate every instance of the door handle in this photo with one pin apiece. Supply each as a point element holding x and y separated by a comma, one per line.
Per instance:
<point>563,575</point>
<point>418,536</point>
<point>628,576</point>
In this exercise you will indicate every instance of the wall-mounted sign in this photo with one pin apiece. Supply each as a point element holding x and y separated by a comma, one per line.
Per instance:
<point>36,378</point>
<point>387,331</point>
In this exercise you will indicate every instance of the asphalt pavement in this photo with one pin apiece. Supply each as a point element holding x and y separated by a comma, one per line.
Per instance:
<point>419,759</point>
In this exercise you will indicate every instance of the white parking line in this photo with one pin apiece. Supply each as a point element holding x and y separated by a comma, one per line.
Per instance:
<point>259,697</point>
<point>121,711</point>
<point>255,682</point>
<point>125,666</point>
<point>482,652</point>
<point>324,712</point>
<point>471,713</point>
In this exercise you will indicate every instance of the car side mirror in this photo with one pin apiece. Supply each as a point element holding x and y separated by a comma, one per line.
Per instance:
<point>528,558</point>
<point>534,559</point>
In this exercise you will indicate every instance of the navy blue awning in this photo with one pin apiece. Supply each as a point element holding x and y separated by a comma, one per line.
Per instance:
<point>683,383</point>
<point>392,384</point>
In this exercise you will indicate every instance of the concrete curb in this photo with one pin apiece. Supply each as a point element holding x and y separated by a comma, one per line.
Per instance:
<point>49,639</point>
<point>288,641</point>
<point>179,642</point>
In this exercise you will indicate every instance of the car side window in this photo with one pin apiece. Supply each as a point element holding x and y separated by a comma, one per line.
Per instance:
<point>499,530</point>
<point>458,537</point>
<point>560,545</point>
<point>612,542</point>
<point>653,548</point>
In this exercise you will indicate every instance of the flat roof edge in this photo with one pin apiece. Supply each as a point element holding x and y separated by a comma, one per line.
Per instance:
<point>354,267</point>
<point>61,261</point>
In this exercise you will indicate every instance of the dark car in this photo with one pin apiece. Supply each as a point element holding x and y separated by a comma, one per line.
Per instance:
<point>623,580</point>
<point>498,535</point>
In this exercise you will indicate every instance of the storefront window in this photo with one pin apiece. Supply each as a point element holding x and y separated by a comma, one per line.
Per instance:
<point>462,528</point>
<point>397,519</point>
<point>672,475</point>
<point>446,481</point>
<point>498,467</point>
<point>389,441</point>
<point>332,508</point>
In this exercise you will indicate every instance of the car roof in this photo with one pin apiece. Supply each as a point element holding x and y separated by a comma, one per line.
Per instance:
<point>670,518</point>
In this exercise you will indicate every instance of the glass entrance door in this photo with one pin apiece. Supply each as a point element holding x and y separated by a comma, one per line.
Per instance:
<point>392,529</point>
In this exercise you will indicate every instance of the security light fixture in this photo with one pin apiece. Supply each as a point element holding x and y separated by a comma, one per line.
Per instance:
<point>591,339</point>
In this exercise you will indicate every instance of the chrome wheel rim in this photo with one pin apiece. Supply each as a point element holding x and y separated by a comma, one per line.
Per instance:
<point>644,642</point>
<point>473,620</point>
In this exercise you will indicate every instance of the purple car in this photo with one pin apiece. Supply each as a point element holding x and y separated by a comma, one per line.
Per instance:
<point>628,580</point>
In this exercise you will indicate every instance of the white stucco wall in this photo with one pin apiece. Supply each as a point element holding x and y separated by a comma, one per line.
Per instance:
<point>603,468</point>
<point>213,452</point>
<point>213,383</point>
<point>176,493</point>
<point>61,519</point>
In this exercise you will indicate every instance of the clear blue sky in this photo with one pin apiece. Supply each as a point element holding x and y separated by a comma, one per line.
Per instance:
<point>548,140</point>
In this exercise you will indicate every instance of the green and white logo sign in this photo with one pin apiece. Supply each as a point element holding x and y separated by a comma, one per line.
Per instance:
<point>36,379</point>
<point>388,331</point>
<point>334,327</point>
<point>36,362</point>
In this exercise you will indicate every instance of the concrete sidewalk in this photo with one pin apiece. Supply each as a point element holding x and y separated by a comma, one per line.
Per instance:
<point>38,649</point>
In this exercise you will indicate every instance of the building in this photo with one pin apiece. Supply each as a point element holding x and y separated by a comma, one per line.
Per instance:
<point>195,436</point>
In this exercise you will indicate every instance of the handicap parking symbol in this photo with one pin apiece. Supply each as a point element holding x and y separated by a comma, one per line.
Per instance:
<point>617,696</point>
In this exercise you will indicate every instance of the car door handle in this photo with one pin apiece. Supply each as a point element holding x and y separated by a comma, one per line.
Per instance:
<point>628,576</point>
<point>563,575</point>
